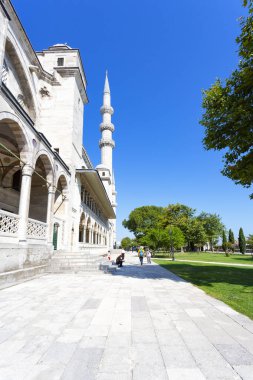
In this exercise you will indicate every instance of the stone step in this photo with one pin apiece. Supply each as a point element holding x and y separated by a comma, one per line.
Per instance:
<point>71,269</point>
<point>77,258</point>
<point>58,265</point>
<point>71,262</point>
<point>18,276</point>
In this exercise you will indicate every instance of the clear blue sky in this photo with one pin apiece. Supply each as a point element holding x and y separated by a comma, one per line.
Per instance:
<point>160,55</point>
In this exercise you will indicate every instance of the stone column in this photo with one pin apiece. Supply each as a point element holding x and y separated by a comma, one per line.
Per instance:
<point>84,234</point>
<point>66,230</point>
<point>3,32</point>
<point>24,202</point>
<point>50,208</point>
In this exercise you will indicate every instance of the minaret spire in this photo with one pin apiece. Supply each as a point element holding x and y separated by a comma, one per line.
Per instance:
<point>106,143</point>
<point>106,87</point>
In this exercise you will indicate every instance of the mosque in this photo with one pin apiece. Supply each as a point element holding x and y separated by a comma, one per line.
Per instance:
<point>51,196</point>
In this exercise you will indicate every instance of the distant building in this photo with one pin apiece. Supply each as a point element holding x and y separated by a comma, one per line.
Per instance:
<point>51,196</point>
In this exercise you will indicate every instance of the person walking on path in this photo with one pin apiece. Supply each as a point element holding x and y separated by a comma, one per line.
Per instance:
<point>141,255</point>
<point>148,255</point>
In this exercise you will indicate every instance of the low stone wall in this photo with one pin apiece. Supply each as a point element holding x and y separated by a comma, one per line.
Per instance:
<point>13,257</point>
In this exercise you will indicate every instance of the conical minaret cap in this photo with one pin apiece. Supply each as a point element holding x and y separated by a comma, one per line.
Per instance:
<point>106,87</point>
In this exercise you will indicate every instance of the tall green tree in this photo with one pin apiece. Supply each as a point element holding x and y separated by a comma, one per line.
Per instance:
<point>155,238</point>
<point>242,241</point>
<point>126,243</point>
<point>178,215</point>
<point>231,240</point>
<point>224,241</point>
<point>228,116</point>
<point>174,238</point>
<point>142,219</point>
<point>196,235</point>
<point>212,225</point>
<point>231,237</point>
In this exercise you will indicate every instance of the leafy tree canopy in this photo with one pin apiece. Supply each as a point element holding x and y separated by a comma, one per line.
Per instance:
<point>126,242</point>
<point>212,225</point>
<point>177,215</point>
<point>155,238</point>
<point>142,219</point>
<point>174,237</point>
<point>228,116</point>
<point>250,240</point>
<point>196,235</point>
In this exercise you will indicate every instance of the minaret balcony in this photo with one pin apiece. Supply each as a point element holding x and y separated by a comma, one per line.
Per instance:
<point>106,127</point>
<point>106,109</point>
<point>106,142</point>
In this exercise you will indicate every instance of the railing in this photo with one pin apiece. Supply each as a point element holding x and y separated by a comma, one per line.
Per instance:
<point>9,223</point>
<point>36,229</point>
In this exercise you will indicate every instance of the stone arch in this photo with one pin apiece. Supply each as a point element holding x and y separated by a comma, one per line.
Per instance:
<point>12,129</point>
<point>43,156</point>
<point>61,190</point>
<point>39,188</point>
<point>17,77</point>
<point>15,148</point>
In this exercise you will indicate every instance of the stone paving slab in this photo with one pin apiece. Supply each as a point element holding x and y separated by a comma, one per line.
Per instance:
<point>140,323</point>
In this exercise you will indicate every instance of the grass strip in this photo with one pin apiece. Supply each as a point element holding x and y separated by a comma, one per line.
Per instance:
<point>204,256</point>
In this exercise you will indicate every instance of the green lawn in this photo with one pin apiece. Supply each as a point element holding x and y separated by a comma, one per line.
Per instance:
<point>206,256</point>
<point>232,285</point>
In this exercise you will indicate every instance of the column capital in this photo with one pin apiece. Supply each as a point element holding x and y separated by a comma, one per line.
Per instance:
<point>27,170</point>
<point>51,189</point>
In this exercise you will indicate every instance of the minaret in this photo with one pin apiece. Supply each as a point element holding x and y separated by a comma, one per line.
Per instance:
<point>106,143</point>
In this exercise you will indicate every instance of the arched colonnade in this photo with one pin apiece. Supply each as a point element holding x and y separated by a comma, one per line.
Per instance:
<point>91,232</point>
<point>33,189</point>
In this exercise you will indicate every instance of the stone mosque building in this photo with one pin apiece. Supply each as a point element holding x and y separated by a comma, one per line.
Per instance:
<point>51,196</point>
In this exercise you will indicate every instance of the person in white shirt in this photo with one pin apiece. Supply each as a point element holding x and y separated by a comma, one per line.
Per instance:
<point>148,255</point>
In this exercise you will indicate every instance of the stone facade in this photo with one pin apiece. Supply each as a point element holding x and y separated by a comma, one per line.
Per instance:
<point>51,197</point>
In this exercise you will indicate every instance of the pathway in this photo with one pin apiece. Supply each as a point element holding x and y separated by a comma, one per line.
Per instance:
<point>208,262</point>
<point>142,323</point>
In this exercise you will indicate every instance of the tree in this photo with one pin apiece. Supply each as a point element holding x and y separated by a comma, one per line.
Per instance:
<point>196,234</point>
<point>224,241</point>
<point>174,238</point>
<point>212,225</point>
<point>231,237</point>
<point>228,116</point>
<point>249,241</point>
<point>126,243</point>
<point>142,219</point>
<point>231,240</point>
<point>178,215</point>
<point>242,241</point>
<point>155,238</point>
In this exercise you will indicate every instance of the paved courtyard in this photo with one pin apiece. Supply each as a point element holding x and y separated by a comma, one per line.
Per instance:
<point>142,323</point>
